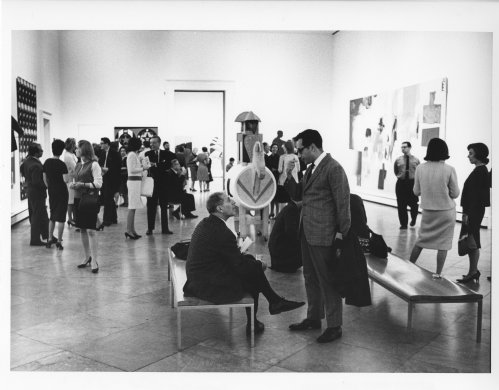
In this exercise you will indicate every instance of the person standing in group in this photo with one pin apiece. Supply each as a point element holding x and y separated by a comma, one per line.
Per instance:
<point>230,164</point>
<point>279,142</point>
<point>192,164</point>
<point>203,173</point>
<point>88,180</point>
<point>110,162</point>
<point>169,154</point>
<point>70,160</point>
<point>475,197</point>
<point>436,183</point>
<point>146,147</point>
<point>55,175</point>
<point>324,220</point>
<point>123,177</point>
<point>32,170</point>
<point>404,168</point>
<point>272,163</point>
<point>135,170</point>
<point>284,160</point>
<point>159,166</point>
<point>266,148</point>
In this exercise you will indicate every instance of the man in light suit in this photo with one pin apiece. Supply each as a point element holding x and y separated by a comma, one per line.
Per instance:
<point>324,220</point>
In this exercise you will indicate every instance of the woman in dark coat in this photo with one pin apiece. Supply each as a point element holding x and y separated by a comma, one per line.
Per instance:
<point>475,197</point>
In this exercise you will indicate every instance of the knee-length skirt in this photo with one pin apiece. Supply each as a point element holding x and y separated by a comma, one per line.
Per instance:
<point>437,229</point>
<point>134,200</point>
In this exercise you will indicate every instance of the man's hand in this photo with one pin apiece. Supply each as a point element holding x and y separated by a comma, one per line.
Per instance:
<point>338,244</point>
<point>104,170</point>
<point>264,265</point>
<point>465,219</point>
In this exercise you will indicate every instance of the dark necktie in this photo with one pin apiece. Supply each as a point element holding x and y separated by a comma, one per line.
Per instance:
<point>407,167</point>
<point>309,172</point>
<point>157,155</point>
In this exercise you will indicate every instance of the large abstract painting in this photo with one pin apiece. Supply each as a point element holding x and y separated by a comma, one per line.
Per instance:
<point>380,123</point>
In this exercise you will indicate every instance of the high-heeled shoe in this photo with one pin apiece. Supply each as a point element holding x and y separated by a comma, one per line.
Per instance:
<point>71,223</point>
<point>137,236</point>
<point>468,278</point>
<point>86,264</point>
<point>59,246</point>
<point>95,270</point>
<point>49,243</point>
<point>130,236</point>
<point>100,227</point>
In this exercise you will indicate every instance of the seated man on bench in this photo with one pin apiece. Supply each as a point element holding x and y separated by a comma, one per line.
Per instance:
<point>218,272</point>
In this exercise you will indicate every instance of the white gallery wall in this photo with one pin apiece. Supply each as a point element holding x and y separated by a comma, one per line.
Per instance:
<point>92,81</point>
<point>35,58</point>
<point>366,63</point>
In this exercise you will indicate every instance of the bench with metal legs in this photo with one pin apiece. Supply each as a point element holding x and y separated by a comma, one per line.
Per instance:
<point>181,302</point>
<point>415,285</point>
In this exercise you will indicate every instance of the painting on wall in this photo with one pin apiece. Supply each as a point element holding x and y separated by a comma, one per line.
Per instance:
<point>27,119</point>
<point>123,134</point>
<point>380,123</point>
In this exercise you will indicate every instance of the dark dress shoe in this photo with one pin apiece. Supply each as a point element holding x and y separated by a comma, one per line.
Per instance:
<point>283,305</point>
<point>413,222</point>
<point>330,334</point>
<point>166,232</point>
<point>149,232</point>
<point>403,227</point>
<point>306,324</point>
<point>259,327</point>
<point>190,216</point>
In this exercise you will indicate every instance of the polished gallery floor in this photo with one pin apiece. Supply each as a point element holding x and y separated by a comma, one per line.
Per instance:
<point>68,319</point>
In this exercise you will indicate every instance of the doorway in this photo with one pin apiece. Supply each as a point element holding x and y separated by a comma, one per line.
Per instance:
<point>199,119</point>
<point>45,140</point>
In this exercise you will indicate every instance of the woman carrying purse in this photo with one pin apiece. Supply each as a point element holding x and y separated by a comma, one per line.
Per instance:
<point>88,180</point>
<point>475,197</point>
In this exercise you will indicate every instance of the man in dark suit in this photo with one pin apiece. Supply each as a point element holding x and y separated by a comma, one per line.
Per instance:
<point>169,154</point>
<point>110,162</point>
<point>325,218</point>
<point>32,170</point>
<point>218,272</point>
<point>175,193</point>
<point>159,166</point>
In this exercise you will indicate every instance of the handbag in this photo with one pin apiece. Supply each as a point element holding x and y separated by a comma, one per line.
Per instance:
<point>89,202</point>
<point>147,186</point>
<point>377,245</point>
<point>180,249</point>
<point>466,244</point>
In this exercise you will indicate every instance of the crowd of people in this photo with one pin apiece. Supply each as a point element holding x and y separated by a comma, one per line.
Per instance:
<point>318,218</point>
<point>82,179</point>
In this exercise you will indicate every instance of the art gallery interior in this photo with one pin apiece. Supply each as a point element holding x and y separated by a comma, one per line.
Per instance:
<point>91,79</point>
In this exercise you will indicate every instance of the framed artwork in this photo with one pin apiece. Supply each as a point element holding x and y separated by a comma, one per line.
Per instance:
<point>27,119</point>
<point>123,134</point>
<point>380,123</point>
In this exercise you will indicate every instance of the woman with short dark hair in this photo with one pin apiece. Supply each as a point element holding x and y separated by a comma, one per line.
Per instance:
<point>124,177</point>
<point>55,175</point>
<point>436,183</point>
<point>88,180</point>
<point>475,197</point>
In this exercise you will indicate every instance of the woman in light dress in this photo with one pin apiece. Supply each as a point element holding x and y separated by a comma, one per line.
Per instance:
<point>70,160</point>
<point>436,183</point>
<point>203,172</point>
<point>135,170</point>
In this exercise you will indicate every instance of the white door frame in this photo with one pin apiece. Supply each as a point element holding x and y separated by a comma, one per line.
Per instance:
<point>44,139</point>
<point>226,86</point>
